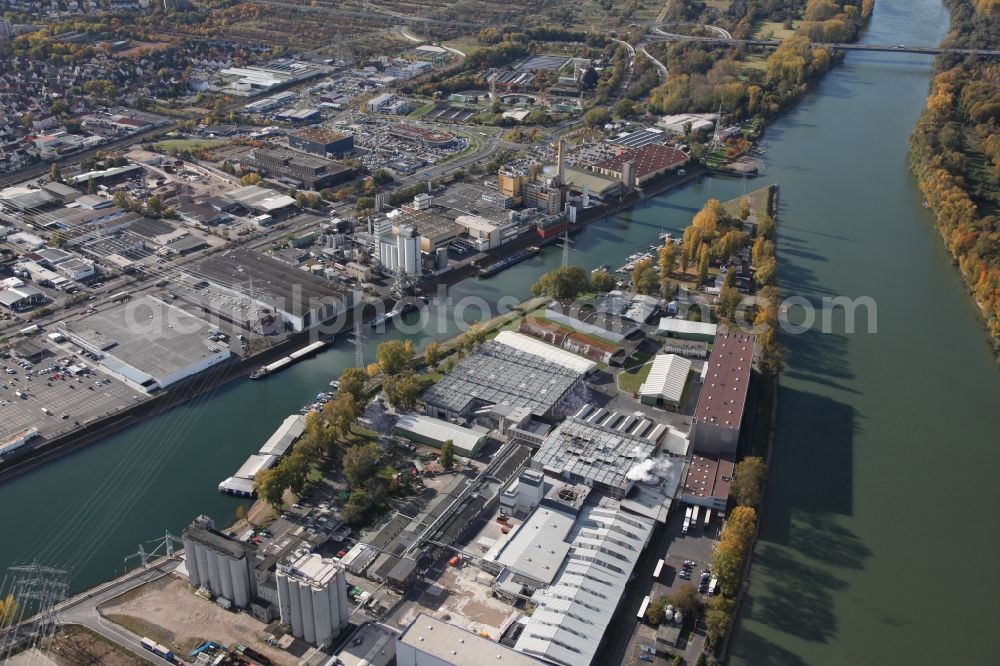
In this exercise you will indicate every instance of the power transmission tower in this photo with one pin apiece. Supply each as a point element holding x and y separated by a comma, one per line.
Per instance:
<point>163,546</point>
<point>37,589</point>
<point>359,343</point>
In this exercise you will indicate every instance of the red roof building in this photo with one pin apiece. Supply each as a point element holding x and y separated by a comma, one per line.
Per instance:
<point>648,162</point>
<point>719,413</point>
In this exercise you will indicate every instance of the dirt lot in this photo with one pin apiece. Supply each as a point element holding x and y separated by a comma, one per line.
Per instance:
<point>76,646</point>
<point>168,602</point>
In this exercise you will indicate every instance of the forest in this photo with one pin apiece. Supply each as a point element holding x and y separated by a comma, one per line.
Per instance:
<point>955,153</point>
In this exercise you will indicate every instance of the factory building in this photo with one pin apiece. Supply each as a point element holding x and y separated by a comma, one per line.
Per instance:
<point>638,166</point>
<point>435,432</point>
<point>496,374</point>
<point>312,598</point>
<point>666,381</point>
<point>719,414</point>
<point>400,253</point>
<point>300,299</point>
<point>429,641</point>
<point>321,141</point>
<point>296,168</point>
<point>219,564</point>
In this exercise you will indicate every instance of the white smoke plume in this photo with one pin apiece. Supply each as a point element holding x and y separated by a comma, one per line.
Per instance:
<point>650,470</point>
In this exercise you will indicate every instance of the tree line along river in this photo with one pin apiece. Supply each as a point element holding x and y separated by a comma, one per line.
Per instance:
<point>874,546</point>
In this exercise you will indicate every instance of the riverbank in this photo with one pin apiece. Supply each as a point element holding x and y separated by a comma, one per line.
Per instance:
<point>955,154</point>
<point>238,369</point>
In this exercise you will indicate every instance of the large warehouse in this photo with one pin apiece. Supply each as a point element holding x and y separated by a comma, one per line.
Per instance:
<point>496,374</point>
<point>435,432</point>
<point>302,300</point>
<point>719,414</point>
<point>147,343</point>
<point>543,350</point>
<point>666,381</point>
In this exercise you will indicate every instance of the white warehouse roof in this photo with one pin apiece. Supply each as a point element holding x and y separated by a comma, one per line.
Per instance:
<point>254,465</point>
<point>466,440</point>
<point>683,326</point>
<point>667,378</point>
<point>283,438</point>
<point>531,345</point>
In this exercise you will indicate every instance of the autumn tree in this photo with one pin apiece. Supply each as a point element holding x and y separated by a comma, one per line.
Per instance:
<point>667,262</point>
<point>474,336</point>
<point>55,174</point>
<point>718,617</point>
<point>394,356</point>
<point>432,354</point>
<point>748,481</point>
<point>703,259</point>
<point>644,278</point>
<point>341,412</point>
<point>403,390</point>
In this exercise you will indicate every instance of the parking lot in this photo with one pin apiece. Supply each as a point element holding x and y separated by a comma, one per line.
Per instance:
<point>70,400</point>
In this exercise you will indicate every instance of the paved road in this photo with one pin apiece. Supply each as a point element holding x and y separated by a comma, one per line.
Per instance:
<point>82,609</point>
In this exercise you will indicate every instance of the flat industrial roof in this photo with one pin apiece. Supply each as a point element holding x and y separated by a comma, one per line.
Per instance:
<point>597,446</point>
<point>683,326</point>
<point>266,279</point>
<point>497,374</point>
<point>254,465</point>
<point>727,377</point>
<point>709,476</point>
<point>454,645</point>
<point>147,335</point>
<point>539,545</point>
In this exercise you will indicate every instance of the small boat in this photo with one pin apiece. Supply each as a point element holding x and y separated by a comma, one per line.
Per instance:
<point>335,384</point>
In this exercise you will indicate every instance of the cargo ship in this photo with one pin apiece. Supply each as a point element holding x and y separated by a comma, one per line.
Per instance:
<point>271,368</point>
<point>493,269</point>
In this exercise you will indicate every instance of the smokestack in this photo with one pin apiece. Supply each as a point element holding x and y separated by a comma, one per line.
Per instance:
<point>559,161</point>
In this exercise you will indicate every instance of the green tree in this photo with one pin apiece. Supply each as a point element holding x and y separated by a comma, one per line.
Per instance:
<point>357,507</point>
<point>352,382</point>
<point>748,481</point>
<point>644,278</point>
<point>729,299</point>
<point>58,107</point>
<point>432,354</point>
<point>602,281</point>
<point>403,390</point>
<point>394,356</point>
<point>154,205</point>
<point>91,186</point>
<point>562,283</point>
<point>361,464</point>
<point>597,116</point>
<point>55,174</point>
<point>448,454</point>
<point>301,200</point>
<point>656,611</point>
<point>58,238</point>
<point>250,179</point>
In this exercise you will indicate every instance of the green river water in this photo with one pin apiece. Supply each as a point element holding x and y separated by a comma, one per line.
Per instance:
<point>872,548</point>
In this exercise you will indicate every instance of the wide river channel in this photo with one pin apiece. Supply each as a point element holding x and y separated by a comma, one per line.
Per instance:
<point>873,547</point>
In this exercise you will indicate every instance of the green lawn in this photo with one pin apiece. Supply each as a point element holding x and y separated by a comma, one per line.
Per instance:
<point>630,380</point>
<point>758,202</point>
<point>423,110</point>
<point>774,30</point>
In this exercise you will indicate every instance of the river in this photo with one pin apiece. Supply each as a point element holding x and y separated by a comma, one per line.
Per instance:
<point>872,547</point>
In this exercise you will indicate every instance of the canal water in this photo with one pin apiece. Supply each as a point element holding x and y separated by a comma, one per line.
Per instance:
<point>873,548</point>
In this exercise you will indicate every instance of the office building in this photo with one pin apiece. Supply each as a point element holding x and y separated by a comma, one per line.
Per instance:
<point>298,169</point>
